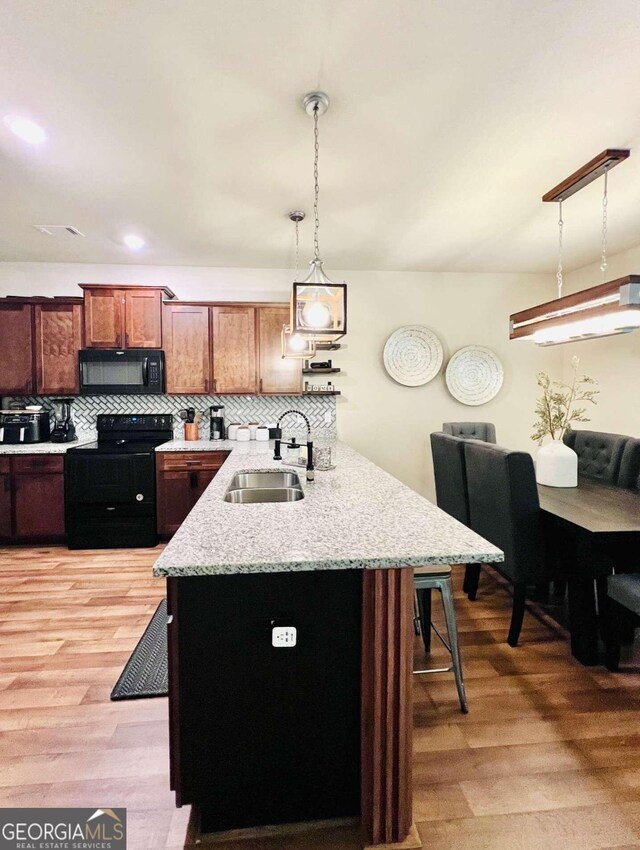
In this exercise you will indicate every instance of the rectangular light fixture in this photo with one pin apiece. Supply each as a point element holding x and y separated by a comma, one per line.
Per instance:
<point>319,310</point>
<point>605,161</point>
<point>604,310</point>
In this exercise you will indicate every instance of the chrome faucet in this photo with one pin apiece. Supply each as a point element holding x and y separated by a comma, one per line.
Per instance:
<point>292,444</point>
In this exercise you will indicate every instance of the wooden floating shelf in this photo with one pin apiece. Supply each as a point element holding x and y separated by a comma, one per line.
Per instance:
<point>322,392</point>
<point>331,371</point>
<point>327,346</point>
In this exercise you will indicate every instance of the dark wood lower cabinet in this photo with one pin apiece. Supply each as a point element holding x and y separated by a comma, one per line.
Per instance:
<point>181,478</point>
<point>32,498</point>
<point>5,498</point>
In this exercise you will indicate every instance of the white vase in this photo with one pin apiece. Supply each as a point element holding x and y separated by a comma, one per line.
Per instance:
<point>557,465</point>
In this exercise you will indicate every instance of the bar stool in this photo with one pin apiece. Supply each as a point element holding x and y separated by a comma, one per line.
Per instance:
<point>438,577</point>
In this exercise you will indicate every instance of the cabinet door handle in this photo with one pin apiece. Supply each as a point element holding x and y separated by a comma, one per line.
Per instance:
<point>29,385</point>
<point>260,384</point>
<point>126,340</point>
<point>215,385</point>
<point>206,385</point>
<point>193,462</point>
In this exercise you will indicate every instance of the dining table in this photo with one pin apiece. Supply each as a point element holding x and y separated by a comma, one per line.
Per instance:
<point>594,530</point>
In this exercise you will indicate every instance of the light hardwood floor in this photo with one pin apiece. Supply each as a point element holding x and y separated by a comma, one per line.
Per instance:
<point>547,759</point>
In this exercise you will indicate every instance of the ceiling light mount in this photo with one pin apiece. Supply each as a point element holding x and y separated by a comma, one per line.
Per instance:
<point>315,101</point>
<point>297,216</point>
<point>593,169</point>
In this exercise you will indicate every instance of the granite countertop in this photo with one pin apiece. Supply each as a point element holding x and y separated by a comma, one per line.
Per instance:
<point>84,437</point>
<point>178,445</point>
<point>355,516</point>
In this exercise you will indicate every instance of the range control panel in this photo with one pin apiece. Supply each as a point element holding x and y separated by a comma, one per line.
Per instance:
<point>134,422</point>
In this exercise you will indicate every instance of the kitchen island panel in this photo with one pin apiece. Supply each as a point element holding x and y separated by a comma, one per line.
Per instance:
<point>259,734</point>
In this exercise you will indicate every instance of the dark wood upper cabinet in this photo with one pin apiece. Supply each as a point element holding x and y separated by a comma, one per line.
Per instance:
<point>185,340</point>
<point>58,337</point>
<point>277,376</point>
<point>123,315</point>
<point>143,318</point>
<point>16,349</point>
<point>104,318</point>
<point>234,349</point>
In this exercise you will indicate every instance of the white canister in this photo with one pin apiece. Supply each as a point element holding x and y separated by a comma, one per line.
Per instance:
<point>262,434</point>
<point>253,427</point>
<point>243,434</point>
<point>232,431</point>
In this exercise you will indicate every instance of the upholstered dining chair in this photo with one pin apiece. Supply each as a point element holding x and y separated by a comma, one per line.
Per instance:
<point>504,509</point>
<point>451,496</point>
<point>485,431</point>
<point>599,453</point>
<point>629,475</point>
<point>622,611</point>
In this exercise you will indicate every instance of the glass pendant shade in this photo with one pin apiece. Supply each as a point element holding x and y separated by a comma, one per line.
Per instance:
<point>296,345</point>
<point>319,306</point>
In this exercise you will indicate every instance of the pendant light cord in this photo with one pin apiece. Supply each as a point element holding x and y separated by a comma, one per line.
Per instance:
<point>605,202</point>
<point>316,138</point>
<point>295,277</point>
<point>559,271</point>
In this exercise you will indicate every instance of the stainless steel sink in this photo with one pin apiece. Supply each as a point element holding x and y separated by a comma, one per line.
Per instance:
<point>250,488</point>
<point>246,480</point>
<point>254,495</point>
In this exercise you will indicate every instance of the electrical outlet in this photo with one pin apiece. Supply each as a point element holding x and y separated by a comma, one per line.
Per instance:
<point>283,636</point>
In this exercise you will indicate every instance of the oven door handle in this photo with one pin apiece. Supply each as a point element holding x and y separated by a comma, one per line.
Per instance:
<point>145,371</point>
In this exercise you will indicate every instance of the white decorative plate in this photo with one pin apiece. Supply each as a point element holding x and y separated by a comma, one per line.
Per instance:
<point>474,375</point>
<point>413,355</point>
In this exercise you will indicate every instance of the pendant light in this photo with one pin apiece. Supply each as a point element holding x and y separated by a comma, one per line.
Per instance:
<point>611,308</point>
<point>295,345</point>
<point>318,305</point>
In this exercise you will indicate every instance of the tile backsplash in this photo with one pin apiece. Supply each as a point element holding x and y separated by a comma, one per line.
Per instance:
<point>320,410</point>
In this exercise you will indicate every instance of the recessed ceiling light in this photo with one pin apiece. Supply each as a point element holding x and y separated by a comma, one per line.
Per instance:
<point>134,242</point>
<point>25,129</point>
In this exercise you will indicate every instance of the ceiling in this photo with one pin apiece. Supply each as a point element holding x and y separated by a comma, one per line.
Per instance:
<point>180,120</point>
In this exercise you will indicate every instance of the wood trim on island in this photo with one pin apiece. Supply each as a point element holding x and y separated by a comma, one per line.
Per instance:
<point>386,700</point>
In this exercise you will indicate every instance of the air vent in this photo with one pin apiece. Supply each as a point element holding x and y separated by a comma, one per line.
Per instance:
<point>58,229</point>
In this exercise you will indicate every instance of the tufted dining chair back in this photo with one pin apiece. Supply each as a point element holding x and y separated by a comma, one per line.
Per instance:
<point>629,475</point>
<point>599,453</point>
<point>485,431</point>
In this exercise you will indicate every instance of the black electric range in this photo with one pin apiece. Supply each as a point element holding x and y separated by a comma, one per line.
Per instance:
<point>110,485</point>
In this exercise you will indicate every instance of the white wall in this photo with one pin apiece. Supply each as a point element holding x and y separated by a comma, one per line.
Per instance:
<point>387,422</point>
<point>614,361</point>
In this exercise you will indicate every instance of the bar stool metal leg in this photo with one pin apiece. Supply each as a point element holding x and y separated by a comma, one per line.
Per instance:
<point>441,581</point>
<point>452,630</point>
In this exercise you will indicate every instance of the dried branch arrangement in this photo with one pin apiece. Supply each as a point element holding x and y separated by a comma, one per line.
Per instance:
<point>557,407</point>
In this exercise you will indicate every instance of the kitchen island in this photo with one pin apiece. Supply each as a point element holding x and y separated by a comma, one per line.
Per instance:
<point>317,727</point>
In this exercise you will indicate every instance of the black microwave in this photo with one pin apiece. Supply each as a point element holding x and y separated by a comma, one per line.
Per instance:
<point>134,371</point>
